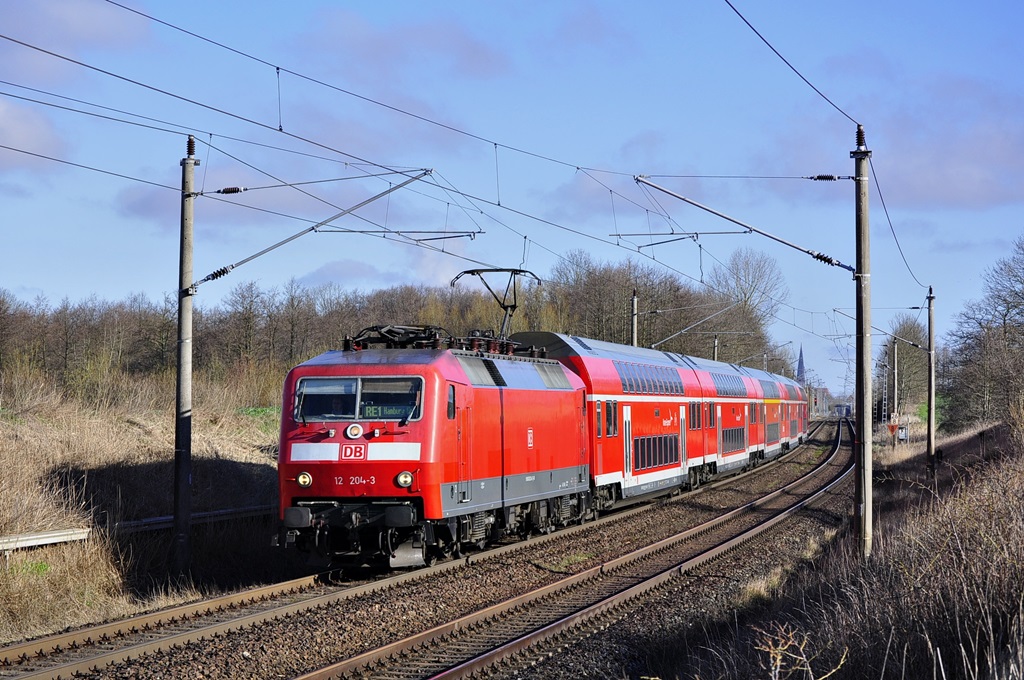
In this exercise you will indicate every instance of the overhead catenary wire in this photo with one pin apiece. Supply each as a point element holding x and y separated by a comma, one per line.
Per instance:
<point>231,190</point>
<point>892,229</point>
<point>813,253</point>
<point>821,94</point>
<point>182,98</point>
<point>791,67</point>
<point>243,118</point>
<point>551,223</point>
<point>88,167</point>
<point>460,131</point>
<point>225,270</point>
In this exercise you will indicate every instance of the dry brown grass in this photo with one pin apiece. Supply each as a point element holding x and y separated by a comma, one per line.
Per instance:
<point>100,448</point>
<point>941,597</point>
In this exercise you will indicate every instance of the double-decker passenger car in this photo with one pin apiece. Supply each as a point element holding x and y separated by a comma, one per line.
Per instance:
<point>659,420</point>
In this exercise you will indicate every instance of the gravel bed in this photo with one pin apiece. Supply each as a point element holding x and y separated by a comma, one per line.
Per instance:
<point>319,638</point>
<point>649,640</point>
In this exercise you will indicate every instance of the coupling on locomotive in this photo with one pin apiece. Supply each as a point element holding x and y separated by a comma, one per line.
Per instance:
<point>408,445</point>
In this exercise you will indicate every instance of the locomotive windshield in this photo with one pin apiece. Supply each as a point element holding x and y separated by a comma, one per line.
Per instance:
<point>331,399</point>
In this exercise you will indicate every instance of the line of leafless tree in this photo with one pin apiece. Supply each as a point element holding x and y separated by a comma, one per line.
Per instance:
<point>983,378</point>
<point>280,327</point>
<point>979,376</point>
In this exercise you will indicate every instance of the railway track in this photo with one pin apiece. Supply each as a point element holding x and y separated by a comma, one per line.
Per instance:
<point>85,651</point>
<point>477,642</point>
<point>64,655</point>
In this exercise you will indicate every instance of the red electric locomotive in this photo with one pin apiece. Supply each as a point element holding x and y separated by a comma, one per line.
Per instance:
<point>409,445</point>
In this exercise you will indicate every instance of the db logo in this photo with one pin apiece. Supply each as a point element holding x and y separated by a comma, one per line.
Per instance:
<point>353,451</point>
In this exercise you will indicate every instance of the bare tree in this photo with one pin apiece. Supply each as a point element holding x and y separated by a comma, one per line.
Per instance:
<point>903,369</point>
<point>986,379</point>
<point>754,280</point>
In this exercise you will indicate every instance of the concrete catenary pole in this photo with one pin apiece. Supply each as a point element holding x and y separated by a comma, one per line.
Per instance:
<point>931,378</point>
<point>633,334</point>
<point>862,276</point>
<point>896,380</point>
<point>182,546</point>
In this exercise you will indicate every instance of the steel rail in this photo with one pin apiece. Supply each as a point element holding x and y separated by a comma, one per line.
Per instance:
<point>499,654</point>
<point>19,660</point>
<point>370,662</point>
<point>23,653</point>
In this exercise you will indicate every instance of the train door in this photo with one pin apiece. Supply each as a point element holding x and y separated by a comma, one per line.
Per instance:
<point>764,424</point>
<point>682,436</point>
<point>464,489</point>
<point>747,426</point>
<point>705,423</point>
<point>627,444</point>
<point>719,429</point>
<point>581,443</point>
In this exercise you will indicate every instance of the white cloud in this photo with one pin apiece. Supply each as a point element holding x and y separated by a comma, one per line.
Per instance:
<point>66,27</point>
<point>29,131</point>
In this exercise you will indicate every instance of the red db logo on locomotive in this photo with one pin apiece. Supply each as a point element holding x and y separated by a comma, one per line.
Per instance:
<point>353,451</point>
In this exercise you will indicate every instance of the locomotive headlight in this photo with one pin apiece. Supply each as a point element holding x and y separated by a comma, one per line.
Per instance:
<point>354,431</point>
<point>404,479</point>
<point>304,479</point>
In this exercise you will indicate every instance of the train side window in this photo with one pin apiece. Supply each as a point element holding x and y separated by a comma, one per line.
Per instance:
<point>597,413</point>
<point>611,418</point>
<point>622,375</point>
<point>649,386</point>
<point>663,382</point>
<point>451,402</point>
<point>695,409</point>
<point>711,414</point>
<point>631,378</point>
<point>641,379</point>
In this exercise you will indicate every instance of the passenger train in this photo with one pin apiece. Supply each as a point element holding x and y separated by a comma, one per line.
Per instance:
<point>408,445</point>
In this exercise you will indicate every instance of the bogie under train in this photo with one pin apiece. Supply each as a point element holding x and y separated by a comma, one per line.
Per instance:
<point>409,445</point>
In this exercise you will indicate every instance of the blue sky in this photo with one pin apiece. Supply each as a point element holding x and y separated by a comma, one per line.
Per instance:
<point>534,118</point>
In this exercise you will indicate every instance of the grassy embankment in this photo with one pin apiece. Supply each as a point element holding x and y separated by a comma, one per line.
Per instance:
<point>942,595</point>
<point>101,451</point>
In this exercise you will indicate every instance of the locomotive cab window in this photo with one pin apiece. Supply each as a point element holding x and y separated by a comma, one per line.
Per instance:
<point>333,399</point>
